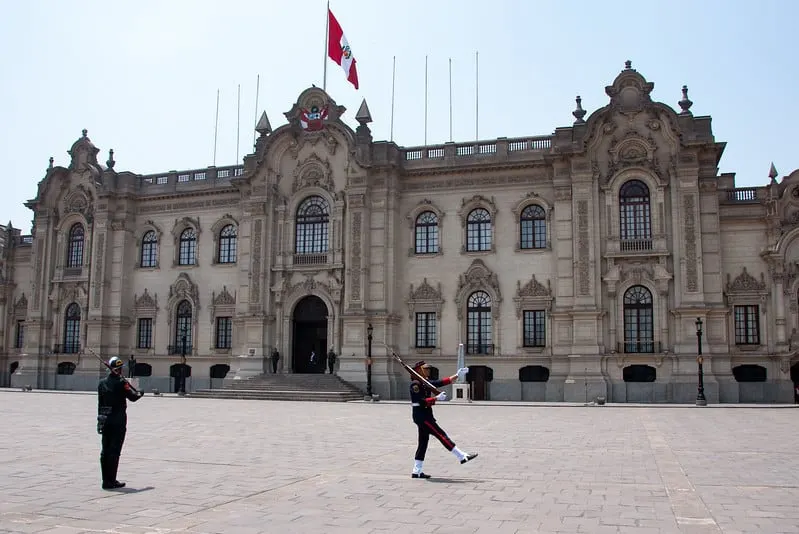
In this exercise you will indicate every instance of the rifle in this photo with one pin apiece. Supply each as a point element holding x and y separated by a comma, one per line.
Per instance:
<point>416,375</point>
<point>110,369</point>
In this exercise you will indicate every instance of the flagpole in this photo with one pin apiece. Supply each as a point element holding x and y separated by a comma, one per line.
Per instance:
<point>327,32</point>
<point>216,124</point>
<point>476,97</point>
<point>450,100</point>
<point>238,123</point>
<point>393,75</point>
<point>425,100</point>
<point>255,122</point>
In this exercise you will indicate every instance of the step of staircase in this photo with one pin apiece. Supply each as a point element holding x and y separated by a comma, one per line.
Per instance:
<point>286,387</point>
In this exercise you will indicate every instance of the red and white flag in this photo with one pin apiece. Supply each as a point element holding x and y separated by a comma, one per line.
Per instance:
<point>339,50</point>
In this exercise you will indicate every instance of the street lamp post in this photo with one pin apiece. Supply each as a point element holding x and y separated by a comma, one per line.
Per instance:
<point>700,394</point>
<point>369,331</point>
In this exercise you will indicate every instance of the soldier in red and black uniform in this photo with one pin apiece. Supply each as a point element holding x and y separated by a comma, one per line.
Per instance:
<point>422,400</point>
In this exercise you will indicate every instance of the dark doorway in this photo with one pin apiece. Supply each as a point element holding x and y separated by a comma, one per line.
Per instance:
<point>749,373</point>
<point>478,377</point>
<point>180,372</point>
<point>795,380</point>
<point>639,373</point>
<point>310,335</point>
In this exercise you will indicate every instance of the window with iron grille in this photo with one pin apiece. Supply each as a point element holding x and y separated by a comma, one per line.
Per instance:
<point>534,328</point>
<point>533,227</point>
<point>75,248</point>
<point>478,324</point>
<point>188,247</point>
<point>313,218</point>
<point>427,233</point>
<point>183,326</point>
<point>426,330</point>
<point>19,340</point>
<point>145,334</point>
<point>634,211</point>
<point>149,249</point>
<point>747,325</point>
<point>224,332</point>
<point>639,331</point>
<point>72,329</point>
<point>227,244</point>
<point>478,230</point>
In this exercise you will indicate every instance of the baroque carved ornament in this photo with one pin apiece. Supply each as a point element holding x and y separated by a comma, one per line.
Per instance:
<point>478,277</point>
<point>533,294</point>
<point>313,172</point>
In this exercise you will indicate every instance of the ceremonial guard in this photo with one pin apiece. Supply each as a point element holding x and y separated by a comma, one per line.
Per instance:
<point>113,392</point>
<point>422,400</point>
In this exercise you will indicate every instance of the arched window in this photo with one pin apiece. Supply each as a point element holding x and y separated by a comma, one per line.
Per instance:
<point>75,250</point>
<point>183,328</point>
<point>533,227</point>
<point>639,332</point>
<point>187,254</point>
<point>635,219</point>
<point>478,230</point>
<point>313,218</point>
<point>478,320</point>
<point>427,233</point>
<point>227,244</point>
<point>72,329</point>
<point>149,249</point>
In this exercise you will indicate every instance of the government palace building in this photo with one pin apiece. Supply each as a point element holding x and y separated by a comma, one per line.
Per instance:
<point>609,259</point>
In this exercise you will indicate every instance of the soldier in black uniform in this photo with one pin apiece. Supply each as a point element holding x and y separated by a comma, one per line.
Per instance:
<point>422,400</point>
<point>113,392</point>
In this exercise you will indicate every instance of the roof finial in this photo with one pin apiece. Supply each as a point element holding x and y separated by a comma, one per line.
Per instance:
<point>110,161</point>
<point>772,173</point>
<point>85,132</point>
<point>579,113</point>
<point>685,103</point>
<point>263,127</point>
<point>51,163</point>
<point>363,116</point>
<point>628,64</point>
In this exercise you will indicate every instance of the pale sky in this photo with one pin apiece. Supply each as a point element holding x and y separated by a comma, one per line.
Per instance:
<point>142,76</point>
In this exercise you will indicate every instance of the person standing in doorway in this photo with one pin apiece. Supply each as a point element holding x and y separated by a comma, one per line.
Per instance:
<point>331,360</point>
<point>275,359</point>
<point>313,360</point>
<point>131,366</point>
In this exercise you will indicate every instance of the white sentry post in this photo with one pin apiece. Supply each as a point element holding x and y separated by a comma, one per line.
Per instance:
<point>461,392</point>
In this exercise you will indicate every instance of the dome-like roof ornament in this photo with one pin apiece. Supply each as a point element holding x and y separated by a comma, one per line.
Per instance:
<point>579,113</point>
<point>685,103</point>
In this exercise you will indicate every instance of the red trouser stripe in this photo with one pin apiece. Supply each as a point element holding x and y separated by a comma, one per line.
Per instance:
<point>441,436</point>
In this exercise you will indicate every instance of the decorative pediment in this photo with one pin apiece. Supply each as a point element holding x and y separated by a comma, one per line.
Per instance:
<point>746,283</point>
<point>422,206</point>
<point>145,301</point>
<point>333,288</point>
<point>633,150</point>
<point>184,288</point>
<point>224,298</point>
<point>477,201</point>
<point>313,172</point>
<point>532,295</point>
<point>314,110</point>
<point>21,305</point>
<point>183,223</point>
<point>425,291</point>
<point>425,298</point>
<point>64,294</point>
<point>478,277</point>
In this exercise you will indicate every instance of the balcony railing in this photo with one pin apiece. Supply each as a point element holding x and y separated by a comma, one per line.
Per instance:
<point>640,347</point>
<point>633,245</point>
<point>310,259</point>
<point>484,348</point>
<point>67,348</point>
<point>742,194</point>
<point>178,349</point>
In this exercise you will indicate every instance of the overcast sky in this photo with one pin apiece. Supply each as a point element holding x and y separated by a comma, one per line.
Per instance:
<point>142,76</point>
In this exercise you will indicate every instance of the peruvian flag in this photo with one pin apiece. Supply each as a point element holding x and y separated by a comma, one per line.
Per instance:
<point>339,50</point>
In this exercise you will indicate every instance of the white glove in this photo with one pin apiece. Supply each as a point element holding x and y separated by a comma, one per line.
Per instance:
<point>462,373</point>
<point>441,396</point>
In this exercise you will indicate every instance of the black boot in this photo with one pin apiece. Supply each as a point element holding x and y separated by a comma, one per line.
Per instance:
<point>111,481</point>
<point>420,475</point>
<point>469,457</point>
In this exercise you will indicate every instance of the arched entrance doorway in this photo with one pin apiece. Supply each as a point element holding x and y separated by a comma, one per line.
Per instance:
<point>310,335</point>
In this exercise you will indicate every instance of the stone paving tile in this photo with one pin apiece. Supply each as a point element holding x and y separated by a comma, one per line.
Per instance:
<point>222,466</point>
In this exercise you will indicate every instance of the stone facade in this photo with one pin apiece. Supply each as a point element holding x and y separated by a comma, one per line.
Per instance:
<point>571,266</point>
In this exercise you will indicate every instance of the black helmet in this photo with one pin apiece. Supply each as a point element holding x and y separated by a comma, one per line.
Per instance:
<point>115,363</point>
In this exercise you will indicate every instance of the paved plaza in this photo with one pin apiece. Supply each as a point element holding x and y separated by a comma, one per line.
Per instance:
<point>232,466</point>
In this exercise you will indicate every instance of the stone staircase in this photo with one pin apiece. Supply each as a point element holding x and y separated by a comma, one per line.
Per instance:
<point>286,387</point>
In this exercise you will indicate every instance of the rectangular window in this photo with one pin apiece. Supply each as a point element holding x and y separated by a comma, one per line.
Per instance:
<point>224,332</point>
<point>747,325</point>
<point>145,334</point>
<point>534,328</point>
<point>426,330</point>
<point>19,340</point>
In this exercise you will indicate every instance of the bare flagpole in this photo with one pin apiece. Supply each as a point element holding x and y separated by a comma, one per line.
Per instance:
<point>327,33</point>
<point>393,75</point>
<point>476,97</point>
<point>450,100</point>
<point>425,100</point>
<point>216,124</point>
<point>255,122</point>
<point>238,123</point>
